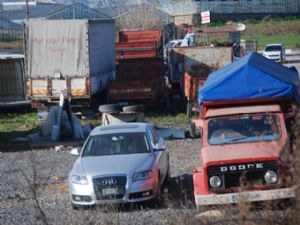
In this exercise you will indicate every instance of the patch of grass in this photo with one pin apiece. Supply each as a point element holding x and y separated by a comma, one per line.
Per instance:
<point>11,44</point>
<point>268,30</point>
<point>289,39</point>
<point>285,31</point>
<point>14,122</point>
<point>167,119</point>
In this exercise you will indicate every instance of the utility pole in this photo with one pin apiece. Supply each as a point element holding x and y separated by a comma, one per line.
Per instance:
<point>27,11</point>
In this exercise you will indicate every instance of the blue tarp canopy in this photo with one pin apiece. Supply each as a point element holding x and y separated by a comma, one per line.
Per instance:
<point>251,77</point>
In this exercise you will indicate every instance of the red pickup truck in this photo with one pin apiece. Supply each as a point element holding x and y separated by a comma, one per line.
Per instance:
<point>245,122</point>
<point>245,153</point>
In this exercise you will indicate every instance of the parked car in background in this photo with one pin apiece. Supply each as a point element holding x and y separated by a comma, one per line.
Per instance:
<point>188,40</point>
<point>171,44</point>
<point>119,163</point>
<point>275,52</point>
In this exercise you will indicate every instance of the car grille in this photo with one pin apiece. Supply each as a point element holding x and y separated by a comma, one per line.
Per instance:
<point>109,188</point>
<point>242,174</point>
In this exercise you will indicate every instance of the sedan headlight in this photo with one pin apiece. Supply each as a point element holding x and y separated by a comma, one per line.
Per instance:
<point>142,175</point>
<point>215,181</point>
<point>271,177</point>
<point>76,179</point>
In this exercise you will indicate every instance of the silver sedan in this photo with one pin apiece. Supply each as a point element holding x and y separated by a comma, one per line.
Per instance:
<point>119,163</point>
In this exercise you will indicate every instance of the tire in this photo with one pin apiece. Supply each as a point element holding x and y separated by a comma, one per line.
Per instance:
<point>110,108</point>
<point>134,108</point>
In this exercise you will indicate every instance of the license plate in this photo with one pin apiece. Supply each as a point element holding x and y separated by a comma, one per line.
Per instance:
<point>245,197</point>
<point>109,191</point>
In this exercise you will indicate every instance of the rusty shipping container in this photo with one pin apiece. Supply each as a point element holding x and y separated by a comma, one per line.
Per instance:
<point>139,44</point>
<point>138,80</point>
<point>190,66</point>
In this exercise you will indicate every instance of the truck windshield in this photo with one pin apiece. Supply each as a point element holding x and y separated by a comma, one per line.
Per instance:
<point>116,144</point>
<point>248,128</point>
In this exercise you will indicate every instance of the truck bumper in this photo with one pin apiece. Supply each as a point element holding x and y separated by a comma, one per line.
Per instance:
<point>249,196</point>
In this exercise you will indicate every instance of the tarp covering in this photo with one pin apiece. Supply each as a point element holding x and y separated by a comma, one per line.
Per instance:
<point>251,77</point>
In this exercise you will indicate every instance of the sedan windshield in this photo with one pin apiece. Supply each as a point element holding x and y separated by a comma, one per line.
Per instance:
<point>243,129</point>
<point>116,144</point>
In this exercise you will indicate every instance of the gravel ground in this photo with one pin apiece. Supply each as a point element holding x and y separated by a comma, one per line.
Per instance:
<point>42,175</point>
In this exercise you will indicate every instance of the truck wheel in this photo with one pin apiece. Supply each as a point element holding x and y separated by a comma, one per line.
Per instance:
<point>189,109</point>
<point>110,108</point>
<point>134,108</point>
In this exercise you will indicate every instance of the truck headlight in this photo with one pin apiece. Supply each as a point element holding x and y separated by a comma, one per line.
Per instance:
<point>271,177</point>
<point>215,181</point>
<point>76,179</point>
<point>142,175</point>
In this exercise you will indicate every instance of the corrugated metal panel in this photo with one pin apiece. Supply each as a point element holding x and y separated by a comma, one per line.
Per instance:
<point>101,42</point>
<point>135,50</point>
<point>138,44</point>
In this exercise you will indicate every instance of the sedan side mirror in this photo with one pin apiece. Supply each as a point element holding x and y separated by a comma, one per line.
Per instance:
<point>160,146</point>
<point>75,151</point>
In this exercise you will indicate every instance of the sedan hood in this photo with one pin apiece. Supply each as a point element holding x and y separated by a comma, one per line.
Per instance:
<point>116,164</point>
<point>238,152</point>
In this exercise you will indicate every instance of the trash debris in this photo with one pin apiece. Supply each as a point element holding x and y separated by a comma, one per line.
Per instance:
<point>122,117</point>
<point>60,120</point>
<point>58,148</point>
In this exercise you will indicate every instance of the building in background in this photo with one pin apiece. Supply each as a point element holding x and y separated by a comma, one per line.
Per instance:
<point>187,12</point>
<point>47,11</point>
<point>10,31</point>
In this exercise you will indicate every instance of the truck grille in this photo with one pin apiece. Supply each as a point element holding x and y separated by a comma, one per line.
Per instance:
<point>109,188</point>
<point>242,174</point>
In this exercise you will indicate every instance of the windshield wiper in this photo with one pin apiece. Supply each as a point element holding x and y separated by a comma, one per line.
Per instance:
<point>236,139</point>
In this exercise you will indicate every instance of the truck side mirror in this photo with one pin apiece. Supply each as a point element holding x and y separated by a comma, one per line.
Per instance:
<point>198,122</point>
